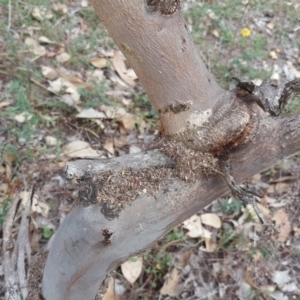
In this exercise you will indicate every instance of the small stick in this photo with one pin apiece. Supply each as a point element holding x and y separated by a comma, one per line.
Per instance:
<point>240,193</point>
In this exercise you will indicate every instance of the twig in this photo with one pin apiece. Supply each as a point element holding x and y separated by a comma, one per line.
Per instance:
<point>235,34</point>
<point>23,242</point>
<point>9,261</point>
<point>240,193</point>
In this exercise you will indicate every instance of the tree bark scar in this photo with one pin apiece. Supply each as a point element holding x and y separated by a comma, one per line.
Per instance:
<point>175,108</point>
<point>165,7</point>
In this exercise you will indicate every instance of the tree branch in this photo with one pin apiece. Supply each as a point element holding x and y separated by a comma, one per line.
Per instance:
<point>159,47</point>
<point>87,245</point>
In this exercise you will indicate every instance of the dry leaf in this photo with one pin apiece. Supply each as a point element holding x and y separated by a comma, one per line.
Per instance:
<point>67,99</point>
<point>37,206</point>
<point>91,113</point>
<point>22,117</point>
<point>4,104</point>
<point>210,245</point>
<point>294,70</point>
<point>95,75</point>
<point>109,146</point>
<point>74,93</point>
<point>35,47</point>
<point>60,7</point>
<point>98,62</point>
<point>113,292</point>
<point>267,288</point>
<point>121,141</point>
<point>79,149</point>
<point>49,73</point>
<point>265,212</point>
<point>84,3</point>
<point>41,13</point>
<point>282,225</point>
<point>113,112</point>
<point>271,25</point>
<point>120,67</point>
<point>128,121</point>
<point>55,86</point>
<point>132,269</point>
<point>273,55</point>
<point>63,57</point>
<point>211,219</point>
<point>195,228</point>
<point>248,279</point>
<point>171,283</point>
<point>183,258</point>
<point>51,140</point>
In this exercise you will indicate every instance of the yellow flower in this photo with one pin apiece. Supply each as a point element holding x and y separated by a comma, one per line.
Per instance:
<point>245,32</point>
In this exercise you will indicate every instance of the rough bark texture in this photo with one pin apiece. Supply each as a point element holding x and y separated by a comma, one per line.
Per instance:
<point>195,113</point>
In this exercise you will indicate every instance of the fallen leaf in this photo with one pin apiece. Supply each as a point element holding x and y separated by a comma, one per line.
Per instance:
<point>49,73</point>
<point>267,288</point>
<point>183,258</point>
<point>55,86</point>
<point>22,117</point>
<point>51,140</point>
<point>113,112</point>
<point>120,67</point>
<point>35,47</point>
<point>248,279</point>
<point>84,3</point>
<point>114,290</point>
<point>91,113</point>
<point>37,206</point>
<point>4,104</point>
<point>211,219</point>
<point>294,69</point>
<point>282,225</point>
<point>79,149</point>
<point>271,25</point>
<point>63,57</point>
<point>195,228</point>
<point>45,40</point>
<point>264,210</point>
<point>281,277</point>
<point>210,245</point>
<point>60,8</point>
<point>128,121</point>
<point>170,284</point>
<point>121,141</point>
<point>109,146</point>
<point>41,13</point>
<point>96,74</point>
<point>98,62</point>
<point>74,93</point>
<point>67,99</point>
<point>278,296</point>
<point>132,269</point>
<point>273,55</point>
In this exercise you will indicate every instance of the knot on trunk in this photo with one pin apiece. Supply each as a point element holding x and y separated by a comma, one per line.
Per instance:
<point>165,7</point>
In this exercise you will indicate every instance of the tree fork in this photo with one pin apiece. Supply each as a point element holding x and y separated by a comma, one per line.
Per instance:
<point>195,112</point>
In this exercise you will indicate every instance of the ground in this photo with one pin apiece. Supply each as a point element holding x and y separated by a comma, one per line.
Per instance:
<point>67,92</point>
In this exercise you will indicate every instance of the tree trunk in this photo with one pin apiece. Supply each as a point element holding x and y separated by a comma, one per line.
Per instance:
<point>202,123</point>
